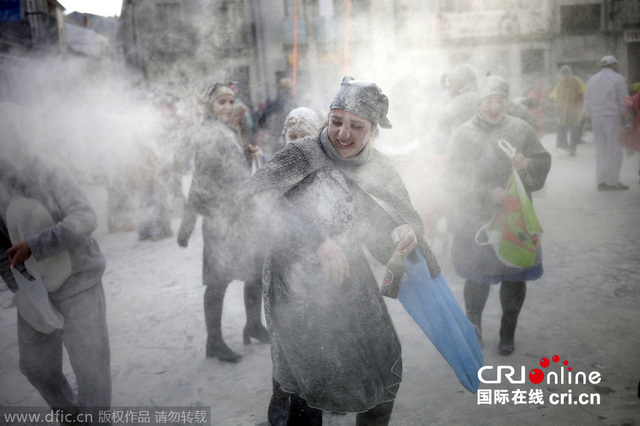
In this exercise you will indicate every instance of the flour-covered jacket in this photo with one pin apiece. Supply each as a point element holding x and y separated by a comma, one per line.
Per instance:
<point>475,166</point>
<point>221,170</point>
<point>75,221</point>
<point>332,344</point>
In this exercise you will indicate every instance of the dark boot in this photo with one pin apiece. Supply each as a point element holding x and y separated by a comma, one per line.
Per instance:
<point>475,298</point>
<point>253,308</point>
<point>300,414</point>
<point>377,416</point>
<point>216,347</point>
<point>278,413</point>
<point>512,296</point>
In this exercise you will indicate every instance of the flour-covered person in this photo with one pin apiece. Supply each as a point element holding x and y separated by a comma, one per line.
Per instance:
<point>330,198</point>
<point>477,172</point>
<point>221,169</point>
<point>46,226</point>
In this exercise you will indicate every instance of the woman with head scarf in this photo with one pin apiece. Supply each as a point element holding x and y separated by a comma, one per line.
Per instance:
<point>477,171</point>
<point>334,347</point>
<point>221,170</point>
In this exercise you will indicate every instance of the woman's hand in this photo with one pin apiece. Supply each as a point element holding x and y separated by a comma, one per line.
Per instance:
<point>252,150</point>
<point>405,239</point>
<point>519,162</point>
<point>19,253</point>
<point>334,261</point>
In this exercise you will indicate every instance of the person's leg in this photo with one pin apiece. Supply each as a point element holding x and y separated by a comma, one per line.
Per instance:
<point>599,138</point>
<point>253,308</point>
<point>475,298</point>
<point>512,296</point>
<point>279,406</point>
<point>561,137</point>
<point>300,414</point>
<point>41,363</point>
<point>213,301</point>
<point>613,151</point>
<point>574,139</point>
<point>86,339</point>
<point>377,416</point>
<point>216,282</point>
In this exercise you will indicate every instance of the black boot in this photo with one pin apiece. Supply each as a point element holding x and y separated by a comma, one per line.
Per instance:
<point>216,347</point>
<point>512,296</point>
<point>475,298</point>
<point>253,308</point>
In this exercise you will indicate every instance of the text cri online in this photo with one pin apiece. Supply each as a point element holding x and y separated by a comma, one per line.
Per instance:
<point>491,375</point>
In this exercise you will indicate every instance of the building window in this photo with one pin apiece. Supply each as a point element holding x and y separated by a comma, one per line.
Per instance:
<point>580,19</point>
<point>532,61</point>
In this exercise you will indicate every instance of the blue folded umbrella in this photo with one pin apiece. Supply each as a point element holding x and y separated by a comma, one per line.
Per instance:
<point>434,308</point>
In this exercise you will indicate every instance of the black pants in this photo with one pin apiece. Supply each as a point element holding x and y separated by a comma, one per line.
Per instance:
<point>287,409</point>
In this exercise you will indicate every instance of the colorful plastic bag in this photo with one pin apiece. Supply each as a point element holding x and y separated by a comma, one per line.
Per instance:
<point>34,305</point>
<point>435,309</point>
<point>514,231</point>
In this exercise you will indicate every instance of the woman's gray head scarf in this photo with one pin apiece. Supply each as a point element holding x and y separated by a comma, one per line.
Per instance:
<point>364,99</point>
<point>492,85</point>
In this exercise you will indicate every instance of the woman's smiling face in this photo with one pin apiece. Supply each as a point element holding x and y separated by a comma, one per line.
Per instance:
<point>348,132</point>
<point>493,108</point>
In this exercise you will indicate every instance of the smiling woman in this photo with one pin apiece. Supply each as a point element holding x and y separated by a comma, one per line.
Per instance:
<point>101,7</point>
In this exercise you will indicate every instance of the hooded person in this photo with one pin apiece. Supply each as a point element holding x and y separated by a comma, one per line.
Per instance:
<point>334,347</point>
<point>569,96</point>
<point>301,122</point>
<point>477,172</point>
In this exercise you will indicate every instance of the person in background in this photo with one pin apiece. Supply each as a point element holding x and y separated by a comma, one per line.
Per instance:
<point>477,172</point>
<point>270,121</point>
<point>80,298</point>
<point>569,97</point>
<point>300,123</point>
<point>148,191</point>
<point>632,118</point>
<point>536,102</point>
<point>221,169</point>
<point>334,347</point>
<point>604,104</point>
<point>461,84</point>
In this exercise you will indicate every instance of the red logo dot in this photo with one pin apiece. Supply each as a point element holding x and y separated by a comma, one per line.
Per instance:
<point>544,362</point>
<point>556,358</point>
<point>536,376</point>
<point>565,362</point>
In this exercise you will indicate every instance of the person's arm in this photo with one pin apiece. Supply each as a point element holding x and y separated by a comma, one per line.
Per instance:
<point>5,263</point>
<point>78,222</point>
<point>538,162</point>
